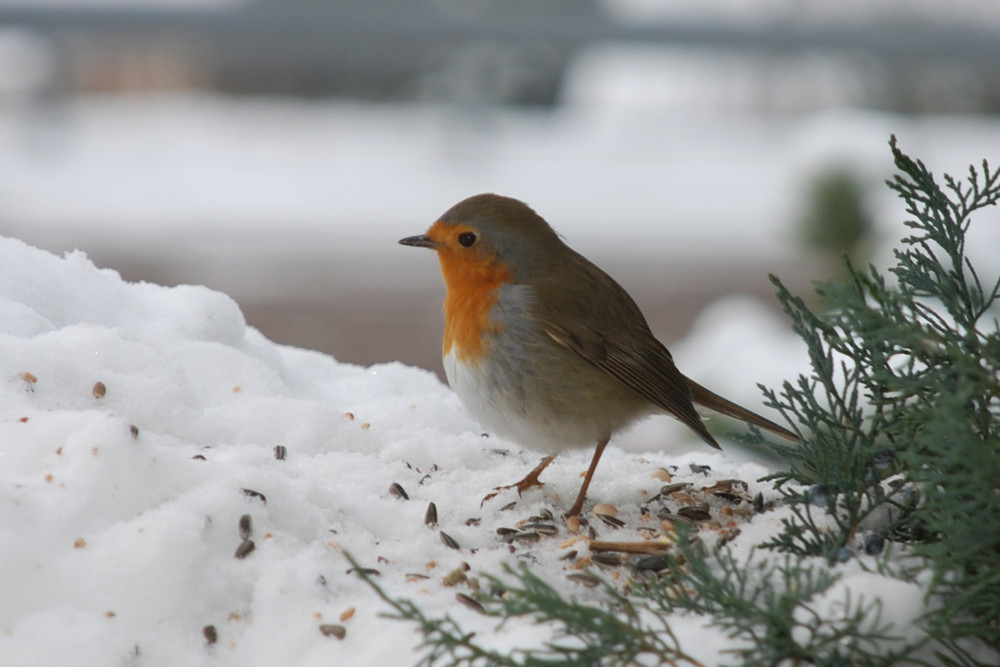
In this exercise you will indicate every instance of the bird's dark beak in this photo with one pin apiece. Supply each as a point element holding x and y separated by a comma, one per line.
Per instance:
<point>422,241</point>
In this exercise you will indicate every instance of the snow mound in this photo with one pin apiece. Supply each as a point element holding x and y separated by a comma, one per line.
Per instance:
<point>176,489</point>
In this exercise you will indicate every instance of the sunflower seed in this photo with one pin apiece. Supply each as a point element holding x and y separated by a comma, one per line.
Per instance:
<point>449,541</point>
<point>255,494</point>
<point>542,528</point>
<point>431,515</point>
<point>245,549</point>
<point>506,532</point>
<point>366,571</point>
<point>588,580</point>
<point>612,521</point>
<point>569,555</point>
<point>669,489</point>
<point>280,452</point>
<point>246,527</point>
<point>695,512</point>
<point>508,506</point>
<point>654,563</point>
<point>607,559</point>
<point>665,515</point>
<point>397,490</point>
<point>470,602</point>
<point>525,536</point>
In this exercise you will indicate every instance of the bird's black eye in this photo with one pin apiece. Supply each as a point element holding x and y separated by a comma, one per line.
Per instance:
<point>466,239</point>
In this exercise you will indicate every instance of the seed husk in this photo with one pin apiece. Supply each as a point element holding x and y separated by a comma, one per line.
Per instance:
<point>455,577</point>
<point>280,452</point>
<point>431,515</point>
<point>397,490</point>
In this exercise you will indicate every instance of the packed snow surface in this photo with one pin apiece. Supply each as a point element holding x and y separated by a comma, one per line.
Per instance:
<point>176,489</point>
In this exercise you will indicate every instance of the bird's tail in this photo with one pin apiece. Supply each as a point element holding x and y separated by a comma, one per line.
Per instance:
<point>713,401</point>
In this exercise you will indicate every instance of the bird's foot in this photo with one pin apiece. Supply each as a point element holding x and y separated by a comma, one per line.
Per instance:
<point>529,481</point>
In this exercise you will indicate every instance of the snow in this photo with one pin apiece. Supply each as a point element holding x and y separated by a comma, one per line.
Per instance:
<point>120,510</point>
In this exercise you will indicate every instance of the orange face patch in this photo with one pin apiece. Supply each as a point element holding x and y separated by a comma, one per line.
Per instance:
<point>473,277</point>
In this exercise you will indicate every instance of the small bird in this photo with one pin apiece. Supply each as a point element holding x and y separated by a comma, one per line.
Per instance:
<point>544,348</point>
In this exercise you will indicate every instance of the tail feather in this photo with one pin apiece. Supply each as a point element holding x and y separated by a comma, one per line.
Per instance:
<point>713,401</point>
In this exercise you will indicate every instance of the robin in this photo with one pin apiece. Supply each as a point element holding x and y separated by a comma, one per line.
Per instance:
<point>543,347</point>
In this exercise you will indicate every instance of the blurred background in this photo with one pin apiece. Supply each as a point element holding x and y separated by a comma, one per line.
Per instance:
<point>277,149</point>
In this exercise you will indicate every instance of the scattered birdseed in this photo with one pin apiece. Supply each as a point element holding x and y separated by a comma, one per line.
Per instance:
<point>431,515</point>
<point>611,520</point>
<point>661,474</point>
<point>449,541</point>
<point>653,563</point>
<point>255,494</point>
<point>455,577</point>
<point>347,614</point>
<point>99,389</point>
<point>542,528</point>
<point>245,549</point>
<point>246,527</point>
<point>397,490</point>
<point>280,452</point>
<point>606,558</point>
<point>606,509</point>
<point>134,430</point>
<point>333,630</point>
<point>695,512</point>
<point>588,580</point>
<point>470,602</point>
<point>210,634</point>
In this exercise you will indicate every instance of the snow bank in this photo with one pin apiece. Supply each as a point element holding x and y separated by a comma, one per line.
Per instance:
<point>176,489</point>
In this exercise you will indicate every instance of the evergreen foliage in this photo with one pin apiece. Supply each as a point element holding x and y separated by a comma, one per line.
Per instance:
<point>899,463</point>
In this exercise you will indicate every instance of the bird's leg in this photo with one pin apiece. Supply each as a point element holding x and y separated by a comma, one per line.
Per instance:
<point>530,480</point>
<point>578,505</point>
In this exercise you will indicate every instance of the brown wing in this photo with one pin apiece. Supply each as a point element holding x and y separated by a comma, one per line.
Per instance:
<point>608,330</point>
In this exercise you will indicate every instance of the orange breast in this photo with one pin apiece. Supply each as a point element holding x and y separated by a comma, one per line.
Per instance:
<point>473,283</point>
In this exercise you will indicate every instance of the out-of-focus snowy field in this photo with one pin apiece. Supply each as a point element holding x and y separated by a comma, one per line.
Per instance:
<point>120,509</point>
